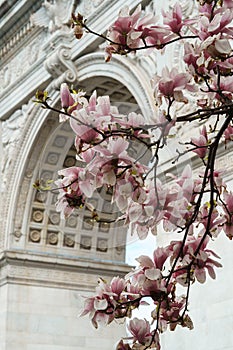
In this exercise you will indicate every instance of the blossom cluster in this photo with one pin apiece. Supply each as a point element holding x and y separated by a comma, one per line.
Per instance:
<point>103,137</point>
<point>153,279</point>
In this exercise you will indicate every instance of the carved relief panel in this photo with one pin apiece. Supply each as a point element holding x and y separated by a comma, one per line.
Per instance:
<point>21,61</point>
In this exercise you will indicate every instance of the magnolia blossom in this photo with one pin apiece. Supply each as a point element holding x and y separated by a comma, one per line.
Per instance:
<point>228,133</point>
<point>170,314</point>
<point>197,60</point>
<point>75,185</point>
<point>224,89</point>
<point>70,101</point>
<point>201,143</point>
<point>208,26</point>
<point>174,18</point>
<point>171,85</point>
<point>124,26</point>
<point>105,299</point>
<point>198,262</point>
<point>228,210</point>
<point>132,31</point>
<point>212,222</point>
<point>140,329</point>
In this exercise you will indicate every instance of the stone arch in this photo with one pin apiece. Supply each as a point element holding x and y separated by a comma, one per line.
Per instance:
<point>40,124</point>
<point>122,69</point>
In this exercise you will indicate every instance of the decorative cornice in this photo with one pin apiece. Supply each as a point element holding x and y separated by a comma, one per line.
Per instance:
<point>15,23</point>
<point>15,39</point>
<point>30,269</point>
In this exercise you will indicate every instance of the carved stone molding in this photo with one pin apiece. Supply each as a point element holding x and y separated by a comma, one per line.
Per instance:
<point>26,184</point>
<point>121,69</point>
<point>11,137</point>
<point>17,141</point>
<point>61,67</point>
<point>87,7</point>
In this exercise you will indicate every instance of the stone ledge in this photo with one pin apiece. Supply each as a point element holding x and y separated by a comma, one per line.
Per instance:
<point>79,274</point>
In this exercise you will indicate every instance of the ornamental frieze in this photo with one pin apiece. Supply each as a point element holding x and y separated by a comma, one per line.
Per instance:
<point>21,62</point>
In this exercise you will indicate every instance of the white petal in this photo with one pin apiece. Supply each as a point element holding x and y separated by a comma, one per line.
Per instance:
<point>100,304</point>
<point>153,274</point>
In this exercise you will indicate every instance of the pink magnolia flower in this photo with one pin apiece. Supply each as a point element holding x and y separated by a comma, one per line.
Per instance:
<point>160,256</point>
<point>76,184</point>
<point>218,179</point>
<point>175,211</point>
<point>142,214</point>
<point>214,222</point>
<point>217,47</point>
<point>101,307</point>
<point>226,65</point>
<point>97,113</point>
<point>171,311</point>
<point>154,288</point>
<point>127,32</point>
<point>117,285</point>
<point>200,262</point>
<point>140,329</point>
<point>187,183</point>
<point>130,187</point>
<point>204,57</point>
<point>228,198</point>
<point>225,86</point>
<point>201,142</point>
<point>66,98</point>
<point>148,276</point>
<point>228,229</point>
<point>70,101</point>
<point>70,196</point>
<point>152,269</point>
<point>112,161</point>
<point>174,18</point>
<point>123,346</point>
<point>155,36</point>
<point>95,307</point>
<point>180,195</point>
<point>130,32</point>
<point>228,210</point>
<point>208,26</point>
<point>123,26</point>
<point>198,59</point>
<point>91,120</point>
<point>123,193</point>
<point>149,268</point>
<point>171,85</point>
